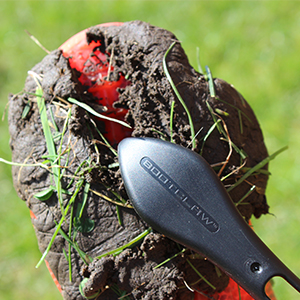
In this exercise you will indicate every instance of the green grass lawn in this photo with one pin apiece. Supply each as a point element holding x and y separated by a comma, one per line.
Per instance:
<point>253,45</point>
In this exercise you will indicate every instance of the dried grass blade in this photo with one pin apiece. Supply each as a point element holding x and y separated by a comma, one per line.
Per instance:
<point>93,112</point>
<point>37,42</point>
<point>111,200</point>
<point>257,167</point>
<point>222,131</point>
<point>104,139</point>
<point>171,121</point>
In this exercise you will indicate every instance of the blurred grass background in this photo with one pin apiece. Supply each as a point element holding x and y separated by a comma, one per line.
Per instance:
<point>253,45</point>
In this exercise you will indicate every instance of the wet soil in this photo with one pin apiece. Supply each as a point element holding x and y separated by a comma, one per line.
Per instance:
<point>138,50</point>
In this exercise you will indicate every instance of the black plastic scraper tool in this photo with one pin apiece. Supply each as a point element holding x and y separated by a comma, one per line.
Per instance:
<point>177,193</point>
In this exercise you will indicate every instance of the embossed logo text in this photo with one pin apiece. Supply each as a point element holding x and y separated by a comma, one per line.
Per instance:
<point>179,194</point>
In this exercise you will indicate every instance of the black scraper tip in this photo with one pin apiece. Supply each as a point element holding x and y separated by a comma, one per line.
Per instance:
<point>177,193</point>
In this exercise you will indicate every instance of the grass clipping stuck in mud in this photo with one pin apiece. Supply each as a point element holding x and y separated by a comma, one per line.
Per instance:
<point>92,239</point>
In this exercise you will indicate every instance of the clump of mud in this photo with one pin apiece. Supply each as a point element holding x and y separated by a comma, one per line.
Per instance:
<point>138,50</point>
